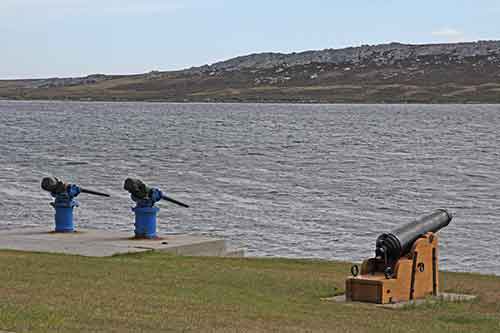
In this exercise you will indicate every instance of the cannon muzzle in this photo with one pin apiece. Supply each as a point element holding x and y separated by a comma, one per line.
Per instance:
<point>392,246</point>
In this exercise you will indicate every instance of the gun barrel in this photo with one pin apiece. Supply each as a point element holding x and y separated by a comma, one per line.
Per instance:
<point>395,244</point>
<point>164,197</point>
<point>84,190</point>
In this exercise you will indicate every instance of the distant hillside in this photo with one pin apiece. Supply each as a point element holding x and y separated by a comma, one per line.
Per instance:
<point>386,73</point>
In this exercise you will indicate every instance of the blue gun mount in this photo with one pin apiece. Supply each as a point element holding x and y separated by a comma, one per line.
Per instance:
<point>145,211</point>
<point>64,201</point>
<point>63,204</point>
<point>154,195</point>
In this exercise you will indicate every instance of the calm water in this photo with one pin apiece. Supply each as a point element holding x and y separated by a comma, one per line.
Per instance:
<point>283,180</point>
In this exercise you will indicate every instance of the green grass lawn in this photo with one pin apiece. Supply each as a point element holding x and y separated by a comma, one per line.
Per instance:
<point>156,292</point>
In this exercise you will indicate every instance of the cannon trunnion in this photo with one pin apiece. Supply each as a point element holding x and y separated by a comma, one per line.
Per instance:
<point>405,266</point>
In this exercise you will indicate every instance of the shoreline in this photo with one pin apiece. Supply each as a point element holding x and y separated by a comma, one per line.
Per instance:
<point>232,102</point>
<point>43,234</point>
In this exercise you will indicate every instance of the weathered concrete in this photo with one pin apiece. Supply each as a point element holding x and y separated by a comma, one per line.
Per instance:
<point>102,243</point>
<point>443,297</point>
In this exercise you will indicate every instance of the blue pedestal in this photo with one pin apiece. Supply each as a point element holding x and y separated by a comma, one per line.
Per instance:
<point>64,219</point>
<point>64,213</point>
<point>145,221</point>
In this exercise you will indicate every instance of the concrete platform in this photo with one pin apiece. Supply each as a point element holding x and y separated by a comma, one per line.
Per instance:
<point>441,297</point>
<point>103,243</point>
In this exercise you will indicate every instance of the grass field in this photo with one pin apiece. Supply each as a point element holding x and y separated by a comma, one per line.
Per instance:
<point>159,293</point>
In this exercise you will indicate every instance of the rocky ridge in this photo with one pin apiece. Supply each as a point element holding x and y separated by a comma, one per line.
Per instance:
<point>383,54</point>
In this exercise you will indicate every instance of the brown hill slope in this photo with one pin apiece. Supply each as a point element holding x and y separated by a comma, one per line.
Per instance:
<point>388,73</point>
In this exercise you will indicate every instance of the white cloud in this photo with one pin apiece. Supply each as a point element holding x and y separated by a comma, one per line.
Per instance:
<point>449,34</point>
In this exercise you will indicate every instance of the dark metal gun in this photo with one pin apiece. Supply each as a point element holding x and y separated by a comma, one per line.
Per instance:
<point>56,186</point>
<point>392,246</point>
<point>140,192</point>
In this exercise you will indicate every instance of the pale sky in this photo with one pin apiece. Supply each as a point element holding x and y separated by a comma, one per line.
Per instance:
<point>48,38</point>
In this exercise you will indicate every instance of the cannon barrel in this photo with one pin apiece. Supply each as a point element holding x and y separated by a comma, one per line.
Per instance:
<point>391,246</point>
<point>164,197</point>
<point>86,190</point>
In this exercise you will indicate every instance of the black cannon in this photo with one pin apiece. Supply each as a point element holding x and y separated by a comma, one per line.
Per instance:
<point>57,186</point>
<point>140,192</point>
<point>392,246</point>
<point>405,266</point>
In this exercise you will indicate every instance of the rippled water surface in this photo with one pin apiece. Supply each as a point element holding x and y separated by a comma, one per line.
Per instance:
<point>317,181</point>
